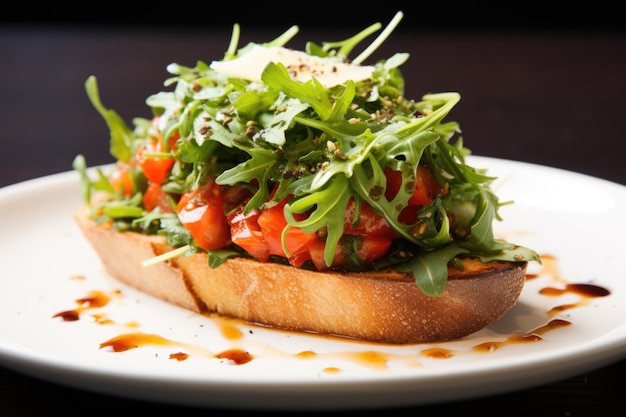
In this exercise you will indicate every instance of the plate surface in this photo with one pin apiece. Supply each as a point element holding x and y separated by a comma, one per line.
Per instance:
<point>66,321</point>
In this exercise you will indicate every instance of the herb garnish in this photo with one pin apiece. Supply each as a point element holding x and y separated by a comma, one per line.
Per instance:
<point>323,143</point>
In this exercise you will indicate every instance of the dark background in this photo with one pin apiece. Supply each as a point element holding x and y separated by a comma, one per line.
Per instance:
<point>539,83</point>
<point>531,76</point>
<point>530,15</point>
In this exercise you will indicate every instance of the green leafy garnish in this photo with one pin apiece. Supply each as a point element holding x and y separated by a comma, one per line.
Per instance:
<point>325,139</point>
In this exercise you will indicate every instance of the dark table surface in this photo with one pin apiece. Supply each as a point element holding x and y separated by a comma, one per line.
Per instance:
<point>545,97</point>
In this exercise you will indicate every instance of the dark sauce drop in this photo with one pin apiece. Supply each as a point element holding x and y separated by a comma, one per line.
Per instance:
<point>95,299</point>
<point>551,325</point>
<point>179,356</point>
<point>68,315</point>
<point>585,290</point>
<point>437,353</point>
<point>129,341</point>
<point>530,337</point>
<point>237,356</point>
<point>515,339</point>
<point>230,330</point>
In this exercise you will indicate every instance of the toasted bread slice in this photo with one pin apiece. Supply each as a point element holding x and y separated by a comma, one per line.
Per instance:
<point>374,306</point>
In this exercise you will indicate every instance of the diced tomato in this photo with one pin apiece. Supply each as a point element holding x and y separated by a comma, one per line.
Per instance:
<point>234,197</point>
<point>373,233</point>
<point>201,211</point>
<point>373,248</point>
<point>272,222</point>
<point>155,197</point>
<point>394,180</point>
<point>246,233</point>
<point>368,223</point>
<point>425,190</point>
<point>155,169</point>
<point>426,187</point>
<point>369,250</point>
<point>316,253</point>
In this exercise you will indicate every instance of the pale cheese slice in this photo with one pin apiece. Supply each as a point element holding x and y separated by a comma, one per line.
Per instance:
<point>301,66</point>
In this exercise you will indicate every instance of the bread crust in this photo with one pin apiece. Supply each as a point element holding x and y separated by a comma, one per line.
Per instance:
<point>373,306</point>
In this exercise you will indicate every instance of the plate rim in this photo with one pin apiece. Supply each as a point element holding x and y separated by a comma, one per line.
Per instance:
<point>610,349</point>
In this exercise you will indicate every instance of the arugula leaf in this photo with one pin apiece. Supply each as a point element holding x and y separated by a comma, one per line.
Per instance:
<point>276,77</point>
<point>430,269</point>
<point>257,169</point>
<point>510,252</point>
<point>326,210</point>
<point>121,134</point>
<point>276,125</point>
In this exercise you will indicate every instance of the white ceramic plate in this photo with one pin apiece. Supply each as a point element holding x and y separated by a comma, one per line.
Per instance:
<point>576,222</point>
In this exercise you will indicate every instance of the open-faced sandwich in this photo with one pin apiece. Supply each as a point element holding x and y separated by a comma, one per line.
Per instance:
<point>301,190</point>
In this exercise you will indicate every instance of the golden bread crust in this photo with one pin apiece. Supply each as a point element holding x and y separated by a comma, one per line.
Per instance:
<point>375,306</point>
